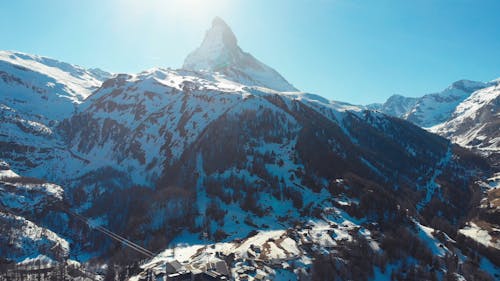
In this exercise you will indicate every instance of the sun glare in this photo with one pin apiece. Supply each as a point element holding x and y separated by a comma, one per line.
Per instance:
<point>133,11</point>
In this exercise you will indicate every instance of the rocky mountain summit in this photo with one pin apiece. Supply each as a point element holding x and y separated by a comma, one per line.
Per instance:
<point>219,52</point>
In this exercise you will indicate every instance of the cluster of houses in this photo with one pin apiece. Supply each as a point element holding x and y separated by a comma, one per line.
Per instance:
<point>175,271</point>
<point>255,265</point>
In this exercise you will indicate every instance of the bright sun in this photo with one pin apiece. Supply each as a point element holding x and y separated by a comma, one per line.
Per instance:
<point>191,10</point>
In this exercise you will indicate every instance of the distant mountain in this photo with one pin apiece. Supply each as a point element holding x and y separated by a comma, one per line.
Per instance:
<point>431,109</point>
<point>396,105</point>
<point>475,122</point>
<point>466,113</point>
<point>219,52</point>
<point>45,87</point>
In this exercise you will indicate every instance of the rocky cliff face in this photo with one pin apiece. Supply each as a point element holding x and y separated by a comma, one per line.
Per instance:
<point>219,52</point>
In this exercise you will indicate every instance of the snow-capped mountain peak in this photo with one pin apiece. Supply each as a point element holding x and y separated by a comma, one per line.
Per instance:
<point>396,105</point>
<point>218,49</point>
<point>219,52</point>
<point>474,122</point>
<point>431,109</point>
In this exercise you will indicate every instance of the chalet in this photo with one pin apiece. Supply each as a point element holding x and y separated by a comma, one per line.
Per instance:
<point>260,277</point>
<point>173,267</point>
<point>211,275</point>
<point>221,267</point>
<point>175,271</point>
<point>180,276</point>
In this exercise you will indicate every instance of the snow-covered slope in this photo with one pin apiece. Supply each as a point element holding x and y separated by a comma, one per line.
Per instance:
<point>467,113</point>
<point>475,122</point>
<point>35,94</point>
<point>5,171</point>
<point>30,143</point>
<point>219,52</point>
<point>29,217</point>
<point>431,109</point>
<point>140,123</point>
<point>22,239</point>
<point>199,140</point>
<point>44,87</point>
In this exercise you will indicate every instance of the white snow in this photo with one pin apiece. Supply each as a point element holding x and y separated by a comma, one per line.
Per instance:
<point>425,234</point>
<point>30,239</point>
<point>78,81</point>
<point>40,258</point>
<point>467,126</point>
<point>219,52</point>
<point>8,174</point>
<point>431,109</point>
<point>280,247</point>
<point>480,235</point>
<point>42,86</point>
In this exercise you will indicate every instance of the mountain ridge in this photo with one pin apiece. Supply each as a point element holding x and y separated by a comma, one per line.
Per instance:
<point>465,112</point>
<point>430,109</point>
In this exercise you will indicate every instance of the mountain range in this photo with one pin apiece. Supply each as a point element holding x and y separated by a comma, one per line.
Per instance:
<point>467,113</point>
<point>224,160</point>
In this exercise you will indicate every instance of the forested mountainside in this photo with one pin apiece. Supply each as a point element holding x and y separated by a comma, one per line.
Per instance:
<point>199,166</point>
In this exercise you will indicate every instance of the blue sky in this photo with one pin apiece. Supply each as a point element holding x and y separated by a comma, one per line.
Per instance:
<point>360,51</point>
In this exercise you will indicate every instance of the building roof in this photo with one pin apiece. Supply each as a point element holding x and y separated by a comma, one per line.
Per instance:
<point>173,266</point>
<point>221,267</point>
<point>260,276</point>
